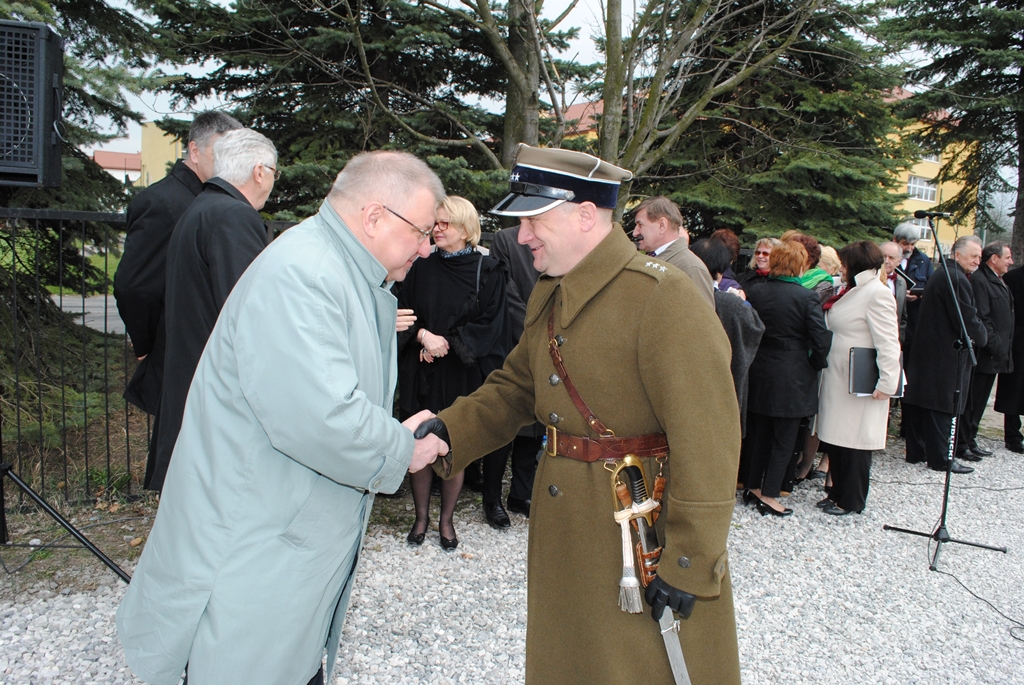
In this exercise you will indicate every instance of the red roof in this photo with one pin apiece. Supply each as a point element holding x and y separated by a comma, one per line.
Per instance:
<point>118,161</point>
<point>585,113</point>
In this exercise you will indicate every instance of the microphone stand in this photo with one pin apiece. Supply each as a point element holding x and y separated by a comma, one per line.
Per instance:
<point>964,346</point>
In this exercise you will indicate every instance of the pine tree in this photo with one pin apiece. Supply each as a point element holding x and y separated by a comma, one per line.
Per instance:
<point>970,85</point>
<point>105,55</point>
<point>293,72</point>
<point>809,143</point>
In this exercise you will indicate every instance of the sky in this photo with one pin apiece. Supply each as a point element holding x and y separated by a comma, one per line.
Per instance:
<point>587,15</point>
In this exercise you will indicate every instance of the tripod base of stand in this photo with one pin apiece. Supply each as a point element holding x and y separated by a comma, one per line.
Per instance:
<point>941,536</point>
<point>6,471</point>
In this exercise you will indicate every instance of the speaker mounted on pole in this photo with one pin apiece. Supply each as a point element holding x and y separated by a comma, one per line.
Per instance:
<point>31,89</point>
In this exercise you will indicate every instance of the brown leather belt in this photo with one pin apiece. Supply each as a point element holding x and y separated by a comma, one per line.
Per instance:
<point>608,449</point>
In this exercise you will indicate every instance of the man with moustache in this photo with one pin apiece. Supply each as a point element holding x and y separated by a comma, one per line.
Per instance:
<point>142,272</point>
<point>287,435</point>
<point>934,362</point>
<point>995,309</point>
<point>659,232</point>
<point>620,356</point>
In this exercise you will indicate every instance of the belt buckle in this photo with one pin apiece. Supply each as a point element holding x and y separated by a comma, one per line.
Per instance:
<point>551,449</point>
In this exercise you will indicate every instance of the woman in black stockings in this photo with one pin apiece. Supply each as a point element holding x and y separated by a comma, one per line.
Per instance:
<point>784,375</point>
<point>462,332</point>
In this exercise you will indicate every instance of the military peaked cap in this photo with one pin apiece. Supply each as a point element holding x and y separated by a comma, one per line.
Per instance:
<point>543,178</point>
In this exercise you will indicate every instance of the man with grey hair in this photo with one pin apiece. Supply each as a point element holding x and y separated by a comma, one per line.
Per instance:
<point>994,301</point>
<point>935,365</point>
<point>141,274</point>
<point>917,266</point>
<point>214,242</point>
<point>287,435</point>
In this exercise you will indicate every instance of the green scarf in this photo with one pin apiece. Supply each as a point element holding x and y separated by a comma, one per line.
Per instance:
<point>813,277</point>
<point>787,279</point>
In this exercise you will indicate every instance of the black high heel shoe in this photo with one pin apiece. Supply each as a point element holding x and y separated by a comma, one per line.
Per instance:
<point>448,544</point>
<point>749,497</point>
<point>414,538</point>
<point>766,509</point>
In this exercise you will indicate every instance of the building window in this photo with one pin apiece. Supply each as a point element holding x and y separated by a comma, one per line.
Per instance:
<point>921,189</point>
<point>930,157</point>
<point>923,223</point>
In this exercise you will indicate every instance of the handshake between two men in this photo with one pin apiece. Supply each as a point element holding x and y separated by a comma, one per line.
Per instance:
<point>431,441</point>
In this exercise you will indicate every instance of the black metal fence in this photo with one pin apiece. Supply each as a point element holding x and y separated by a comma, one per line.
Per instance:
<point>64,426</point>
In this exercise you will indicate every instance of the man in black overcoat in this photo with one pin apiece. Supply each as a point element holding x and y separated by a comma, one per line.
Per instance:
<point>995,309</point>
<point>141,274</point>
<point>934,362</point>
<point>212,245</point>
<point>518,261</point>
<point>1010,391</point>
<point>917,266</point>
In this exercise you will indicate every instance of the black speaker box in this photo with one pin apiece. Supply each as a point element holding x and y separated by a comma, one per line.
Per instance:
<point>31,83</point>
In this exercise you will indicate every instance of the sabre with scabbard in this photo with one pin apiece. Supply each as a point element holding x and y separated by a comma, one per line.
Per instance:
<point>630,485</point>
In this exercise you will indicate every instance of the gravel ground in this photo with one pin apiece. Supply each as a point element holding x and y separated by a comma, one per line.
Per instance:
<point>818,599</point>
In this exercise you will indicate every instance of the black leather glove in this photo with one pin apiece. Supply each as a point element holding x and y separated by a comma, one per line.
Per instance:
<point>437,427</point>
<point>660,594</point>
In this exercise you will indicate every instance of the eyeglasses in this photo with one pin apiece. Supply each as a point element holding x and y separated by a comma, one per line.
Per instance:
<point>763,253</point>
<point>424,234</point>
<point>277,174</point>
<point>443,225</point>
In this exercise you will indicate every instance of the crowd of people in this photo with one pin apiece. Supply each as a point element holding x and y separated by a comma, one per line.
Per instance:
<point>679,370</point>
<point>814,306</point>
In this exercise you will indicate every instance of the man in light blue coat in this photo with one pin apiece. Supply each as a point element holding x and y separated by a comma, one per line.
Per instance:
<point>287,435</point>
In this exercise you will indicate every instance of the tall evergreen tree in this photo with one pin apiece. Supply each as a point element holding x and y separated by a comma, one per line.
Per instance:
<point>295,72</point>
<point>106,52</point>
<point>808,143</point>
<point>971,81</point>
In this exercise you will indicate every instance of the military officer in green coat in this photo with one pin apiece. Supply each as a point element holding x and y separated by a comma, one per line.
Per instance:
<point>646,361</point>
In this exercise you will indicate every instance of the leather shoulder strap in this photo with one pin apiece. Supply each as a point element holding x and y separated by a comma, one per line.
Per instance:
<point>570,387</point>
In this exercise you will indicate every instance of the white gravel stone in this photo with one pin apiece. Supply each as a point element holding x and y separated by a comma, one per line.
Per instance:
<point>819,599</point>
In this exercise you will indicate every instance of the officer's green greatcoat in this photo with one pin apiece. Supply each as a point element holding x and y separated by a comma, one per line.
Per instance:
<point>648,355</point>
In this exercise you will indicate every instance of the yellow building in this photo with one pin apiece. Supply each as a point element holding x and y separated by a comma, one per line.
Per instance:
<point>159,151</point>
<point>924,192</point>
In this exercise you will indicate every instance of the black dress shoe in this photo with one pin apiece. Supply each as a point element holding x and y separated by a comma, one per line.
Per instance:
<point>766,509</point>
<point>518,506</point>
<point>496,515</point>
<point>957,467</point>
<point>825,503</point>
<point>414,538</point>
<point>1019,449</point>
<point>979,451</point>
<point>449,544</point>
<point>968,456</point>
<point>833,510</point>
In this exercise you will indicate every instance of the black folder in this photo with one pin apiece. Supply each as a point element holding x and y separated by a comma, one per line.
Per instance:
<point>864,371</point>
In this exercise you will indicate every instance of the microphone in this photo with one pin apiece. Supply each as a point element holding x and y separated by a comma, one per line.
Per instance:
<point>924,214</point>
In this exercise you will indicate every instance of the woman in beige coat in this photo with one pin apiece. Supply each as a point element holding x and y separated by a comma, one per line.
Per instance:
<point>851,426</point>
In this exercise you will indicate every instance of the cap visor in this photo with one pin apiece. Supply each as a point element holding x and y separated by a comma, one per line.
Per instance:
<point>515,204</point>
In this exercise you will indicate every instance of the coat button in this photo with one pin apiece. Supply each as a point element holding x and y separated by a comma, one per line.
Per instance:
<point>684,562</point>
<point>555,492</point>
<point>554,418</point>
<point>554,380</point>
<point>560,340</point>
<point>375,484</point>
